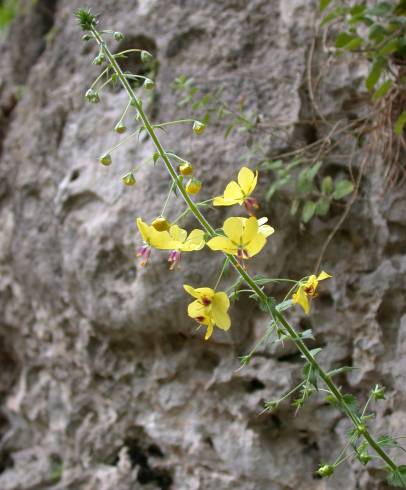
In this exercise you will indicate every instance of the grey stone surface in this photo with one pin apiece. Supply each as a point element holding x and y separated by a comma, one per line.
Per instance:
<point>104,382</point>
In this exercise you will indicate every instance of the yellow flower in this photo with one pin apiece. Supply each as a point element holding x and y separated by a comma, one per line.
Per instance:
<point>210,308</point>
<point>152,238</point>
<point>182,242</point>
<point>238,193</point>
<point>308,290</point>
<point>155,238</point>
<point>243,238</point>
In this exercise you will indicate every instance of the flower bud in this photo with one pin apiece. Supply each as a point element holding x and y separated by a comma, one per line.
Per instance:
<point>86,37</point>
<point>325,470</point>
<point>186,169</point>
<point>120,128</point>
<point>364,457</point>
<point>129,179</point>
<point>92,96</point>
<point>193,186</point>
<point>149,84</point>
<point>161,224</point>
<point>378,393</point>
<point>146,56</point>
<point>105,159</point>
<point>198,127</point>
<point>99,60</point>
<point>118,36</point>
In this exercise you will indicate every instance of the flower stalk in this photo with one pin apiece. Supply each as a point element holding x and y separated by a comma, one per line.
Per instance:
<point>280,321</point>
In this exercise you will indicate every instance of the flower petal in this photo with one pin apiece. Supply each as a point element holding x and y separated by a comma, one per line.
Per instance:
<point>234,192</point>
<point>143,228</point>
<point>247,180</point>
<point>195,241</point>
<point>255,245</point>
<point>219,309</point>
<point>323,275</point>
<point>234,228</point>
<point>224,244</point>
<point>266,230</point>
<point>250,230</point>
<point>209,331</point>
<point>177,233</point>
<point>301,298</point>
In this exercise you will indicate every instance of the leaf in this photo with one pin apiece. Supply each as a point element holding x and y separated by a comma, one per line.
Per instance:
<point>332,15</point>
<point>375,73</point>
<point>400,123</point>
<point>398,478</point>
<point>387,441</point>
<point>284,305</point>
<point>343,188</point>
<point>341,370</point>
<point>390,47</point>
<point>380,10</point>
<point>309,209</point>
<point>343,39</point>
<point>377,33</point>
<point>354,44</point>
<point>382,90</point>
<point>327,185</point>
<point>307,335</point>
<point>322,206</point>
<point>324,4</point>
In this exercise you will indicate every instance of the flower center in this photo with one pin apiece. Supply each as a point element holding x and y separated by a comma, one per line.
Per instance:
<point>206,301</point>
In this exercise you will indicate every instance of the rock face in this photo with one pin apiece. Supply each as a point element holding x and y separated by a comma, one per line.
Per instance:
<point>105,383</point>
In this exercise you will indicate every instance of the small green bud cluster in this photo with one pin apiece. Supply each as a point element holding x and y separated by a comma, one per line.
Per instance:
<point>86,19</point>
<point>105,159</point>
<point>149,84</point>
<point>378,393</point>
<point>146,56</point>
<point>99,60</point>
<point>129,178</point>
<point>120,128</point>
<point>118,36</point>
<point>92,96</point>
<point>325,470</point>
<point>198,127</point>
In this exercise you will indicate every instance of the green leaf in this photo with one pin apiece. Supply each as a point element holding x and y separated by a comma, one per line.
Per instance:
<point>358,10</point>
<point>327,185</point>
<point>343,188</point>
<point>322,206</point>
<point>324,4</point>
<point>398,478</point>
<point>382,90</point>
<point>343,39</point>
<point>341,370</point>
<point>400,123</point>
<point>390,47</point>
<point>387,441</point>
<point>375,73</point>
<point>377,33</point>
<point>332,15</point>
<point>380,10</point>
<point>354,44</point>
<point>309,209</point>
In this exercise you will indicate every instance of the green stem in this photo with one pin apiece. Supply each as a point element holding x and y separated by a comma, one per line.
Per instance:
<point>234,262</point>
